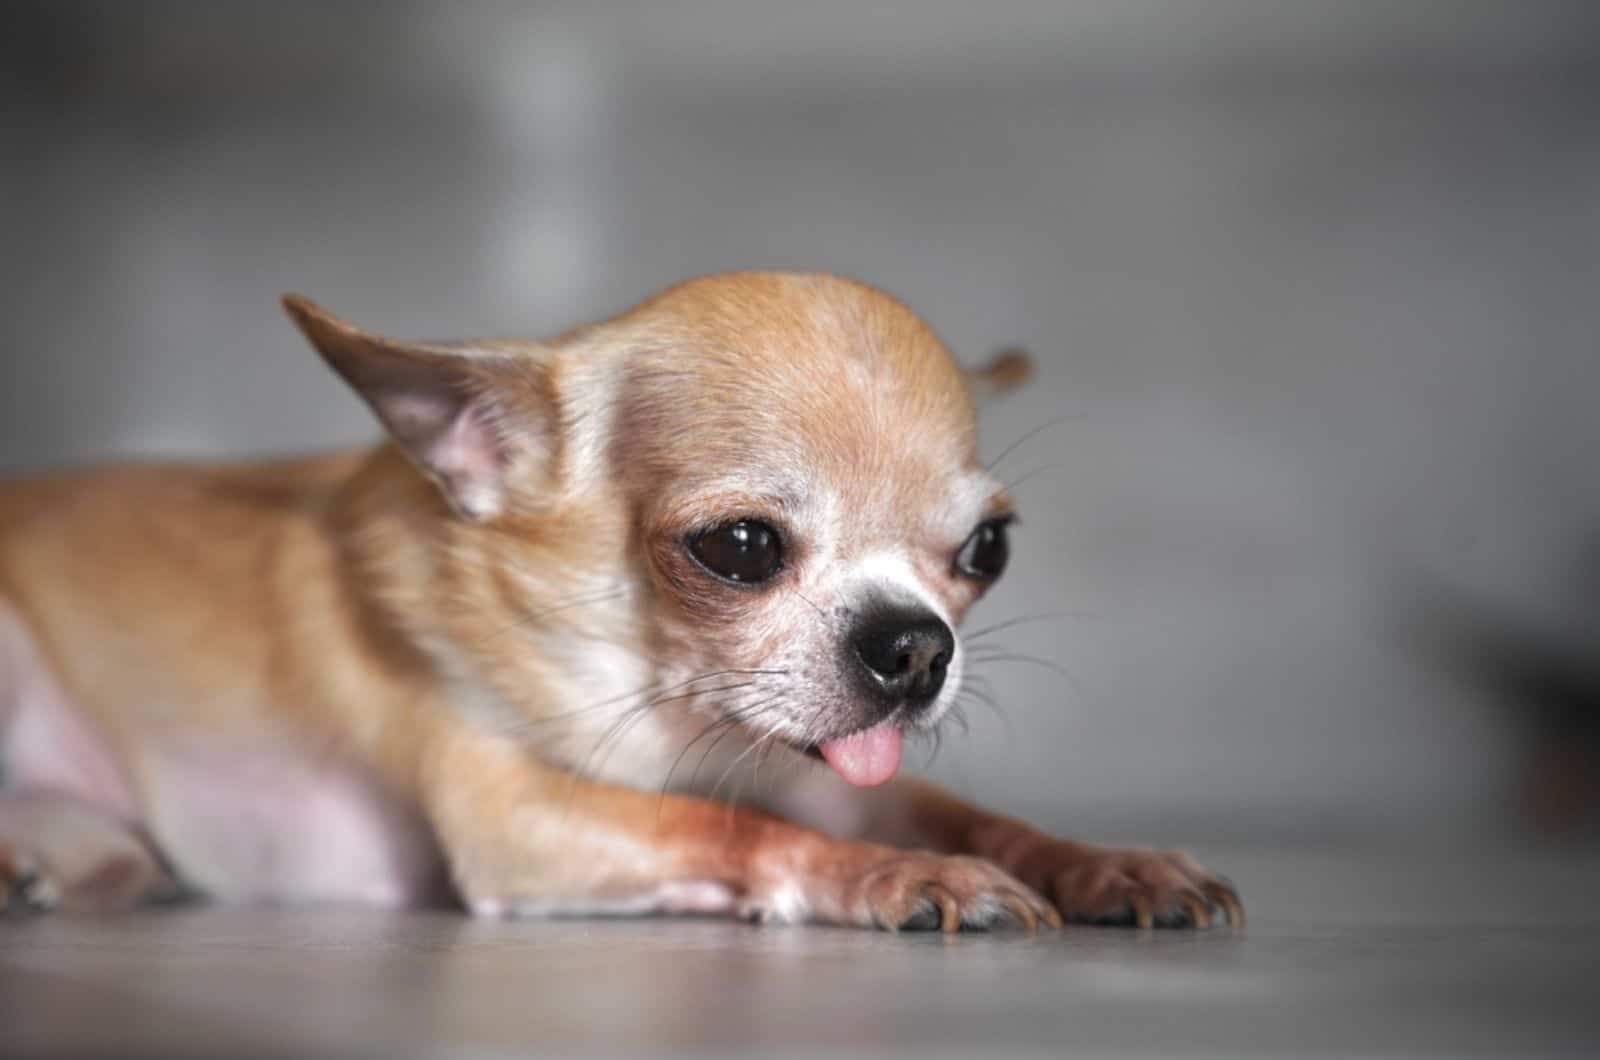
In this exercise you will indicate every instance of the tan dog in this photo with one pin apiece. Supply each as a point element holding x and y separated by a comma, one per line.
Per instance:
<point>518,652</point>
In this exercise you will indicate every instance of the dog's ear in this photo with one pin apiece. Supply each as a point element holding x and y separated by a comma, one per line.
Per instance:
<point>1006,370</point>
<point>461,413</point>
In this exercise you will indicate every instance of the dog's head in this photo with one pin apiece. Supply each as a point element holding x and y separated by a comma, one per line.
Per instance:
<point>780,472</point>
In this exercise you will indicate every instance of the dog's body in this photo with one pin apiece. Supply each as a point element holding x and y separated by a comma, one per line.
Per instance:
<point>653,562</point>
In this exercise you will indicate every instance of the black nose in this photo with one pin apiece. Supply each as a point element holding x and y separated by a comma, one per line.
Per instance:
<point>904,654</point>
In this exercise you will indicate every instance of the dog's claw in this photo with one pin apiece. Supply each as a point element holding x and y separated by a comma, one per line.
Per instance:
<point>1023,914</point>
<point>926,917</point>
<point>949,908</point>
<point>921,891</point>
<point>40,893</point>
<point>25,887</point>
<point>1142,888</point>
<point>1220,896</point>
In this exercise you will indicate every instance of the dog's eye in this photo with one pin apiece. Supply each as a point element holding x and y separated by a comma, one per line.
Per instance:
<point>747,551</point>
<point>985,553</point>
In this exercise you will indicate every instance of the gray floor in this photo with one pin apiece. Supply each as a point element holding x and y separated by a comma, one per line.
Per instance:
<point>1484,952</point>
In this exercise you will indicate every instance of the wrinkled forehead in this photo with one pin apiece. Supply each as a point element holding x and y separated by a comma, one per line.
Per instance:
<point>850,504</point>
<point>809,393</point>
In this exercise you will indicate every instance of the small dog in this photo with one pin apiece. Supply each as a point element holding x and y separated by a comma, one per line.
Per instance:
<point>719,544</point>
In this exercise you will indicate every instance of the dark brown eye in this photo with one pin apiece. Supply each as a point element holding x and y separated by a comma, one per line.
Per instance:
<point>985,553</point>
<point>747,552</point>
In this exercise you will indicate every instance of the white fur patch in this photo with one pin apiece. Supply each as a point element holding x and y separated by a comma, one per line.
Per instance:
<point>589,398</point>
<point>972,492</point>
<point>788,905</point>
<point>675,897</point>
<point>893,570</point>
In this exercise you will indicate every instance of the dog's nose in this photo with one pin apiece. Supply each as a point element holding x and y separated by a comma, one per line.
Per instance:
<point>905,654</point>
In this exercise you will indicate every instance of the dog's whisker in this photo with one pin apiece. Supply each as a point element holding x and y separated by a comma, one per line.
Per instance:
<point>721,724</point>
<point>702,692</point>
<point>821,614</point>
<point>1044,616</point>
<point>527,621</point>
<point>729,717</point>
<point>628,717</point>
<point>937,736</point>
<point>976,680</point>
<point>993,707</point>
<point>613,734</point>
<point>959,716</point>
<point>987,700</point>
<point>771,741</point>
<point>734,765</point>
<point>683,695</point>
<point>734,720</point>
<point>978,687</point>
<point>647,690</point>
<point>768,744</point>
<point>1012,485</point>
<point>633,715</point>
<point>1030,435</point>
<point>1034,660</point>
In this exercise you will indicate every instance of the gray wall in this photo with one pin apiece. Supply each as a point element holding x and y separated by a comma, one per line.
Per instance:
<point>1314,286</point>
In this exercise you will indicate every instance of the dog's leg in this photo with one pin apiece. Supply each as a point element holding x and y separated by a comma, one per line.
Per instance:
<point>1086,883</point>
<point>62,840</point>
<point>56,851</point>
<point>525,839</point>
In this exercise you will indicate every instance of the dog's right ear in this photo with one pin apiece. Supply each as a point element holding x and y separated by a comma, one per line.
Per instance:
<point>1006,370</point>
<point>462,414</point>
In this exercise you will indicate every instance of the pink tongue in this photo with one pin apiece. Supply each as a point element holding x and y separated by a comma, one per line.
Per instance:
<point>865,759</point>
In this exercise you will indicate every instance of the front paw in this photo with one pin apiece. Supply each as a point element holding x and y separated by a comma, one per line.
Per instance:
<point>918,891</point>
<point>1143,888</point>
<point>24,885</point>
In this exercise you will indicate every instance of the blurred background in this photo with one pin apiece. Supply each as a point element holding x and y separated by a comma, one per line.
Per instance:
<point>1314,288</point>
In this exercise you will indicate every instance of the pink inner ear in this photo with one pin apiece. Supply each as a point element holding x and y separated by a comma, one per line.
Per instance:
<point>469,461</point>
<point>415,419</point>
<point>456,441</point>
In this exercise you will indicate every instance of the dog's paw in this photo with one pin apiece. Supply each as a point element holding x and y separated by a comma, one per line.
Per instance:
<point>913,891</point>
<point>82,880</point>
<point>1137,888</point>
<point>25,887</point>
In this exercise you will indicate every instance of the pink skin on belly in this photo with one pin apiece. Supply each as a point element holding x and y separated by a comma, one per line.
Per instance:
<point>46,744</point>
<point>252,816</point>
<point>259,819</point>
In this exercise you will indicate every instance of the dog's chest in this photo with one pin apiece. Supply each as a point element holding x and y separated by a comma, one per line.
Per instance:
<point>660,731</point>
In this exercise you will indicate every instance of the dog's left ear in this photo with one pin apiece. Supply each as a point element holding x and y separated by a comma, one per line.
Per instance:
<point>466,416</point>
<point>1006,370</point>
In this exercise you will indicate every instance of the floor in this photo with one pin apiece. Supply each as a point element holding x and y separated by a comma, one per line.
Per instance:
<point>1487,952</point>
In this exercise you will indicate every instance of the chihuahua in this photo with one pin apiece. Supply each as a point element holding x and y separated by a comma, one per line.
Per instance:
<point>633,621</point>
